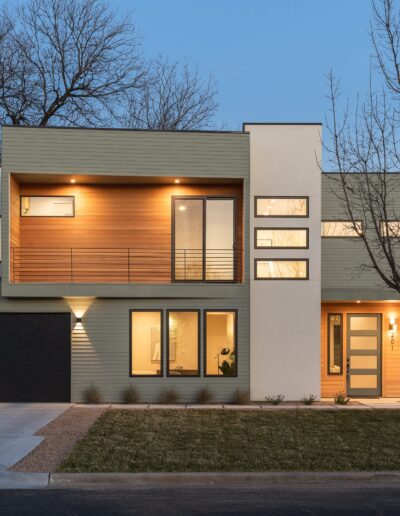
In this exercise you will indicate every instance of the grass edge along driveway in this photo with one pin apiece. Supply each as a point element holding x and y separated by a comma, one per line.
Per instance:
<point>238,440</point>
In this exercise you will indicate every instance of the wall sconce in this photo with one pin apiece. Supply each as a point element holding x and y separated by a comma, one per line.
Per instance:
<point>392,330</point>
<point>78,319</point>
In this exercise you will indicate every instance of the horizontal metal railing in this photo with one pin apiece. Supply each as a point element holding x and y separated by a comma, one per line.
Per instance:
<point>123,265</point>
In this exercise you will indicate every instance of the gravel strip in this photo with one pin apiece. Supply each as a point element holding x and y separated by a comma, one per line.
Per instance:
<point>60,436</point>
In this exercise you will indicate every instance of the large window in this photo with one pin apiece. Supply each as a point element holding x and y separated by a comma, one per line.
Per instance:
<point>280,269</point>
<point>183,342</point>
<point>341,229</point>
<point>47,206</point>
<point>220,343</point>
<point>281,238</point>
<point>335,343</point>
<point>281,206</point>
<point>204,239</point>
<point>146,343</point>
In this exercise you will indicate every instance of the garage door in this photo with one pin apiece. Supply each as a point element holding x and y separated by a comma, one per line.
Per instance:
<point>35,357</point>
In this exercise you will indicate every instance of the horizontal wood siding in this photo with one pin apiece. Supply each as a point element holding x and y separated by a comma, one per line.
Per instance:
<point>119,233</point>
<point>331,384</point>
<point>100,345</point>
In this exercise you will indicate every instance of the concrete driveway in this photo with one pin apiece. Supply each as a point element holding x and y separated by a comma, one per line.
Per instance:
<point>18,424</point>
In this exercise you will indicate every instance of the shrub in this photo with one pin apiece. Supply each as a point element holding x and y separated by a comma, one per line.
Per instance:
<point>309,400</point>
<point>169,396</point>
<point>275,400</point>
<point>92,394</point>
<point>341,399</point>
<point>204,396</point>
<point>130,395</point>
<point>241,397</point>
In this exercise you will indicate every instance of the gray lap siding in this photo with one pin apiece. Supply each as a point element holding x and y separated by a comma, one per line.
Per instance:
<point>100,345</point>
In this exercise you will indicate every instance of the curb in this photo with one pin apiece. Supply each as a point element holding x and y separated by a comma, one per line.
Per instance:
<point>16,480</point>
<point>84,480</point>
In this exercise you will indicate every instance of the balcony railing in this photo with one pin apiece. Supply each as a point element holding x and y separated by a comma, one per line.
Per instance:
<point>120,265</point>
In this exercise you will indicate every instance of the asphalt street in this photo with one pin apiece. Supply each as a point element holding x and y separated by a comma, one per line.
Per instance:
<point>293,499</point>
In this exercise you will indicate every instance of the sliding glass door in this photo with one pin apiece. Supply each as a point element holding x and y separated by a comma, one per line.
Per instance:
<point>203,236</point>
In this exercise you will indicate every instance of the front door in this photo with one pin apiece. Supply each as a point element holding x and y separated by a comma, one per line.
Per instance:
<point>364,354</point>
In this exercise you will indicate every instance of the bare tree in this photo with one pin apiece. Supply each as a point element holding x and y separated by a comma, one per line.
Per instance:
<point>173,97</point>
<point>68,62</point>
<point>363,148</point>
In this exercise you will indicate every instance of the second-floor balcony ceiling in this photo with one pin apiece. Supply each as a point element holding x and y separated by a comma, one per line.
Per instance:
<point>67,229</point>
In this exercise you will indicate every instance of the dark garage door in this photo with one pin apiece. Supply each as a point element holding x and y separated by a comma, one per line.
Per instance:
<point>35,357</point>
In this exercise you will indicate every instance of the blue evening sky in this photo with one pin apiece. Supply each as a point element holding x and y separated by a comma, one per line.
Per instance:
<point>269,57</point>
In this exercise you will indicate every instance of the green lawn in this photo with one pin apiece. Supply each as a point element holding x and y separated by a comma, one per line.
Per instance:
<point>234,440</point>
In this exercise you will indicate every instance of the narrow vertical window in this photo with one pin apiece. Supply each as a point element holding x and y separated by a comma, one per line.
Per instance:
<point>146,343</point>
<point>183,343</point>
<point>335,343</point>
<point>220,339</point>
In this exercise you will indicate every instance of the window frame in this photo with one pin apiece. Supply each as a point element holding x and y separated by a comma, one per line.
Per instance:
<point>307,260</point>
<point>204,199</point>
<point>303,197</point>
<point>344,222</point>
<point>235,327</point>
<point>258,228</point>
<point>329,315</point>
<point>195,310</point>
<point>47,216</point>
<point>161,312</point>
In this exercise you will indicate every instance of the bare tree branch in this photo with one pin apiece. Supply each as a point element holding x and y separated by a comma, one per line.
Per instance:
<point>174,97</point>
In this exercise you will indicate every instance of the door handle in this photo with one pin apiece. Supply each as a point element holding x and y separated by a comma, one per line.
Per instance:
<point>348,367</point>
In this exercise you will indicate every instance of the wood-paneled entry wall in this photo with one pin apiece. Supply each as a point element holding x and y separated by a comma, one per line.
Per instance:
<point>333,383</point>
<point>109,220</point>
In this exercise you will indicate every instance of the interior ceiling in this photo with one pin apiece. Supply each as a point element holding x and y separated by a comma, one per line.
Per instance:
<point>107,179</point>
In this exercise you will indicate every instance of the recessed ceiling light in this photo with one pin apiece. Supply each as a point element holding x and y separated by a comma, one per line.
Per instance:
<point>72,180</point>
<point>177,181</point>
<point>358,301</point>
<point>182,208</point>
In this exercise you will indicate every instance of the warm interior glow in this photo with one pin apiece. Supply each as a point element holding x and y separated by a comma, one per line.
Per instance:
<point>177,181</point>
<point>146,343</point>
<point>281,207</point>
<point>274,237</point>
<point>72,181</point>
<point>281,269</point>
<point>182,208</point>
<point>183,343</point>
<point>219,339</point>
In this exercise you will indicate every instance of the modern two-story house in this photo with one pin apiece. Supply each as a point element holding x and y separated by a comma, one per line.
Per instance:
<point>183,259</point>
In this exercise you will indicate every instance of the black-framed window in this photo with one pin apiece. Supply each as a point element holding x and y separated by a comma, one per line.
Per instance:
<point>183,343</point>
<point>220,343</point>
<point>281,206</point>
<point>335,344</point>
<point>281,269</point>
<point>341,229</point>
<point>47,206</point>
<point>281,238</point>
<point>146,343</point>
<point>204,238</point>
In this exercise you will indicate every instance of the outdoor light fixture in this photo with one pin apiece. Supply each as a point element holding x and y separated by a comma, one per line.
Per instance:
<point>392,329</point>
<point>78,319</point>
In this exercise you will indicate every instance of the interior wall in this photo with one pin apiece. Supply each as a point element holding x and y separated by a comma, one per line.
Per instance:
<point>184,342</point>
<point>331,384</point>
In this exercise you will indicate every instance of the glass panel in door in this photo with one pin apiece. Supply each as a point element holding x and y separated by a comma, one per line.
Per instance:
<point>364,355</point>
<point>188,239</point>
<point>220,240</point>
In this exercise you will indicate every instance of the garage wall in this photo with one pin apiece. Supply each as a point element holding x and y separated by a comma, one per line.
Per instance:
<point>100,345</point>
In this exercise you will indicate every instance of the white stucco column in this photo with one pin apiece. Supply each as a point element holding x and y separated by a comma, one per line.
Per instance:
<point>285,314</point>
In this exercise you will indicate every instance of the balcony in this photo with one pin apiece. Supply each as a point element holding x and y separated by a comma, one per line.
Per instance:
<point>124,265</point>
